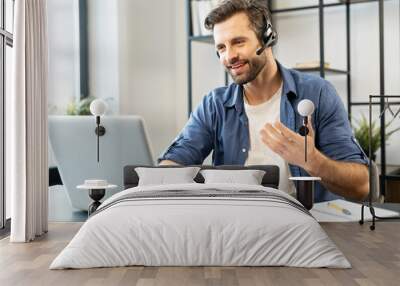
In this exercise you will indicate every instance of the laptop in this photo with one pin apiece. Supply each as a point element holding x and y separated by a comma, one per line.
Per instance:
<point>74,144</point>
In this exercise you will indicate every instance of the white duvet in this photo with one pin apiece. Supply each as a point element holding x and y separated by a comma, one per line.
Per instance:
<point>227,231</point>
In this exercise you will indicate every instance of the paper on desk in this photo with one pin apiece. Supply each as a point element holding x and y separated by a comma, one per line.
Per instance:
<point>323,213</point>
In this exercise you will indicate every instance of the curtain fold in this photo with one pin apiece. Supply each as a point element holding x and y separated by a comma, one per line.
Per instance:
<point>28,122</point>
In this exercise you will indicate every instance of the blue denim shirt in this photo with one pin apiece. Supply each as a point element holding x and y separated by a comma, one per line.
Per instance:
<point>220,124</point>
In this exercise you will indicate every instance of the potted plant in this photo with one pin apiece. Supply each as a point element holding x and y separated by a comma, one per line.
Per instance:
<point>80,108</point>
<point>361,132</point>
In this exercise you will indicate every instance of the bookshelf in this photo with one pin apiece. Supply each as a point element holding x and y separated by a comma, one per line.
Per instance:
<point>317,70</point>
<point>322,70</point>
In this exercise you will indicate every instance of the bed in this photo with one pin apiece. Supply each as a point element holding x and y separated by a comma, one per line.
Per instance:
<point>201,224</point>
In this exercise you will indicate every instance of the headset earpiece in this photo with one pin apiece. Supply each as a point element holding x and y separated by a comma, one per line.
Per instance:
<point>269,36</point>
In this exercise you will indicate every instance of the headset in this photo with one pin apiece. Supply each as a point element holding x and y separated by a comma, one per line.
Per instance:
<point>269,36</point>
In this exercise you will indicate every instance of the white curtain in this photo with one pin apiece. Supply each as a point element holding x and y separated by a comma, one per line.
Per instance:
<point>27,121</point>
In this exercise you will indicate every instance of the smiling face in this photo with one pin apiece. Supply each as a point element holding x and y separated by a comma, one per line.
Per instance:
<point>236,43</point>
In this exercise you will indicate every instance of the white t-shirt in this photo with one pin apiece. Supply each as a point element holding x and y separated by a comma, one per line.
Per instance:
<point>259,153</point>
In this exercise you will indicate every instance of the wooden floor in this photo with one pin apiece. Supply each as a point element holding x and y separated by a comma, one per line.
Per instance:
<point>375,256</point>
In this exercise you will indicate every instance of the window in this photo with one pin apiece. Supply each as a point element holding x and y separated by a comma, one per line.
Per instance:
<point>6,44</point>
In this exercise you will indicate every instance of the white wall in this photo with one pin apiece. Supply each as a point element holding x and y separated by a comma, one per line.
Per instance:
<point>103,52</point>
<point>180,31</point>
<point>63,35</point>
<point>64,57</point>
<point>64,69</point>
<point>147,66</point>
<point>153,72</point>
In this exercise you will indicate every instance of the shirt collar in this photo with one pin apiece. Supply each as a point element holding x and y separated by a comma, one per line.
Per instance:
<point>234,94</point>
<point>289,85</point>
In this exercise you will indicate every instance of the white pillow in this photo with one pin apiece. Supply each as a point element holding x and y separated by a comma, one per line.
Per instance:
<point>248,177</point>
<point>165,176</point>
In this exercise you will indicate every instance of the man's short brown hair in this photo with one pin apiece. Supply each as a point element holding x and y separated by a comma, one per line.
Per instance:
<point>257,11</point>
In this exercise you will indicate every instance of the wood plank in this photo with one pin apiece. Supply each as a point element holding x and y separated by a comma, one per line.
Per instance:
<point>374,255</point>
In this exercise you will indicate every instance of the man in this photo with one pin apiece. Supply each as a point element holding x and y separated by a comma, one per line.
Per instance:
<point>254,120</point>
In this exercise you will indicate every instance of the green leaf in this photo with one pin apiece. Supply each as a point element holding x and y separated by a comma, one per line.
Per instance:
<point>80,108</point>
<point>362,130</point>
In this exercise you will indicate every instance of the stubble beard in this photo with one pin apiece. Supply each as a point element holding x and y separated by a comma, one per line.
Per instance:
<point>255,67</point>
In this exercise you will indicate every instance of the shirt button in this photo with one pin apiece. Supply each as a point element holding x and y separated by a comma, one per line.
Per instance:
<point>244,150</point>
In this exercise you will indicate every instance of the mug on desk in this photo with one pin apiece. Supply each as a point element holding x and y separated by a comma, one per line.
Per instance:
<point>305,190</point>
